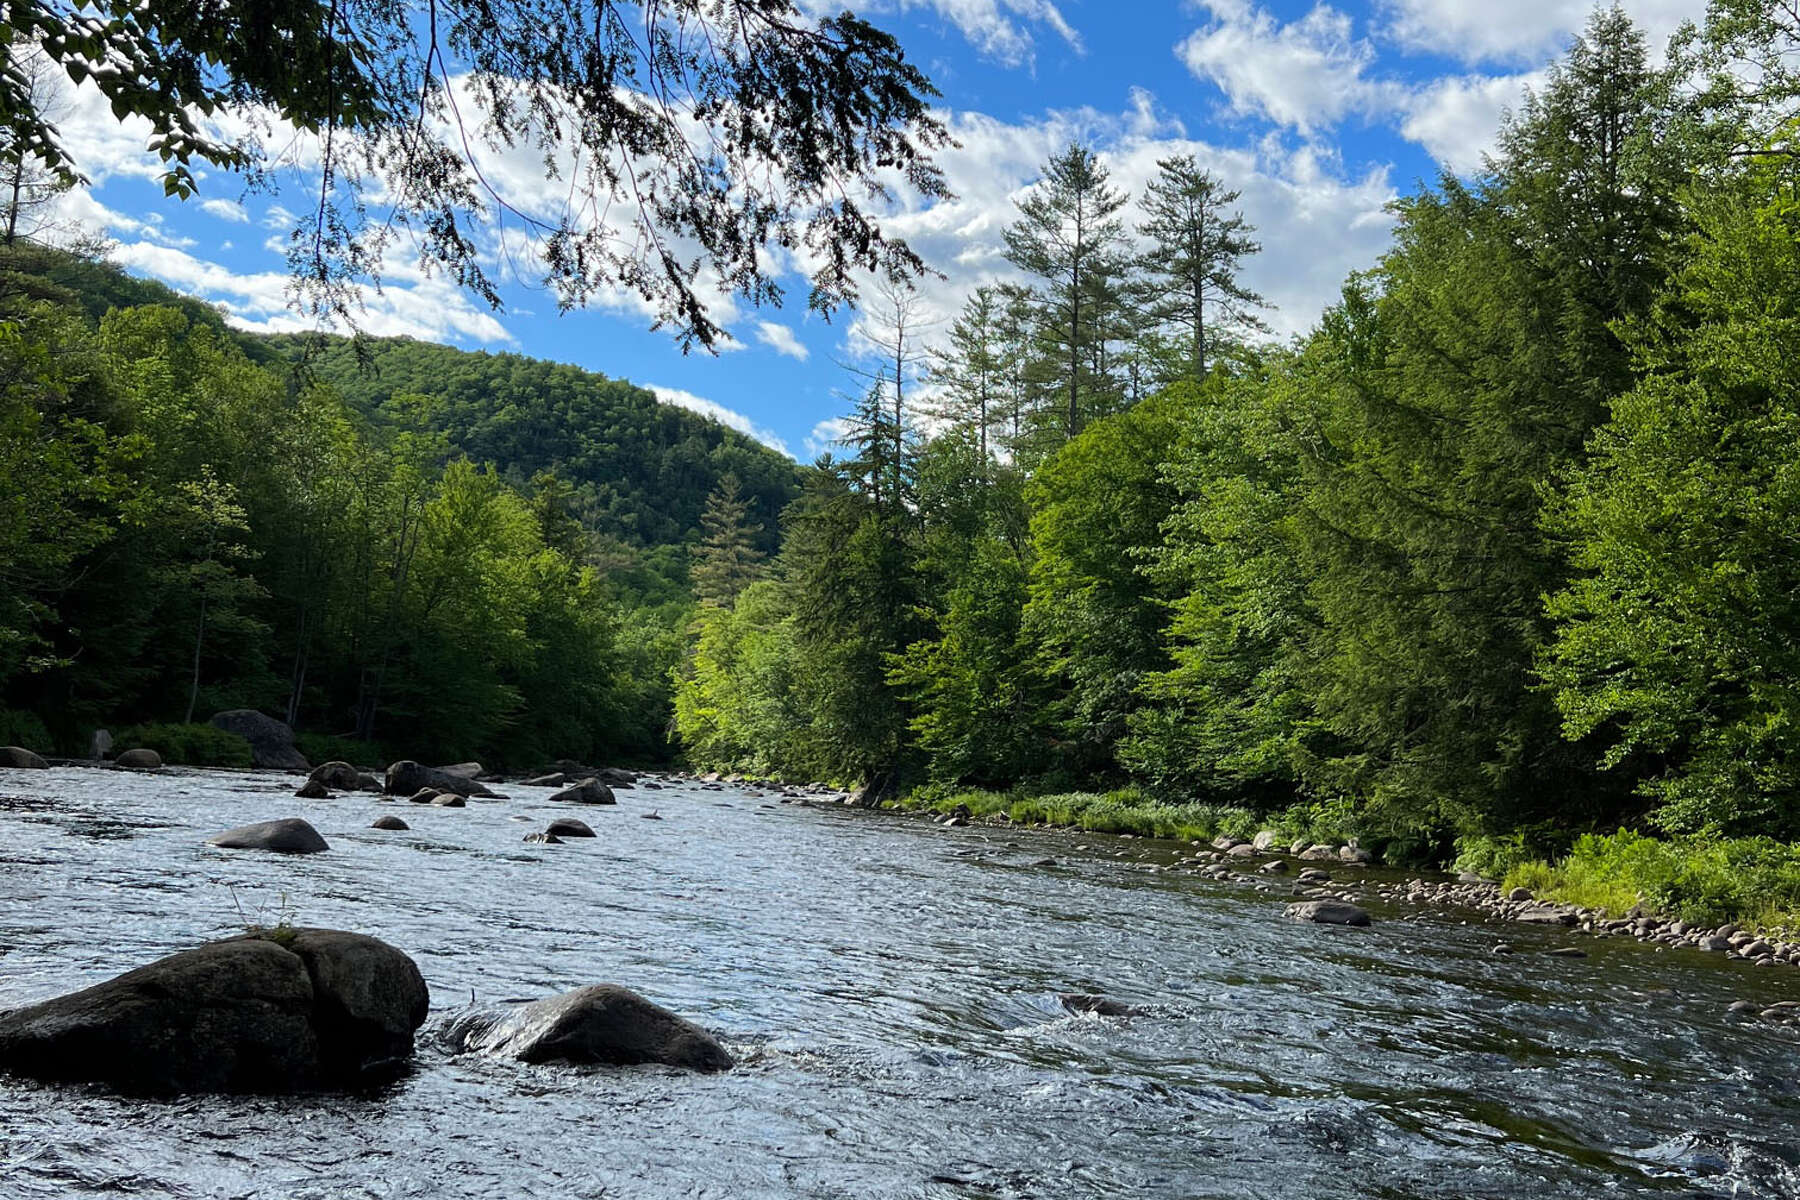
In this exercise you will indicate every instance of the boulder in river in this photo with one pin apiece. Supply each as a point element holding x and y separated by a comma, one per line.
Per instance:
<point>290,835</point>
<point>1265,841</point>
<point>423,796</point>
<point>389,822</point>
<point>18,756</point>
<point>569,827</point>
<point>312,789</point>
<point>366,782</point>
<point>139,760</point>
<point>543,839</point>
<point>466,770</point>
<point>271,741</point>
<point>406,777</point>
<point>588,791</point>
<point>274,1011</point>
<point>554,779</point>
<point>1100,1006</point>
<point>1328,912</point>
<point>338,775</point>
<point>605,1023</point>
<point>449,800</point>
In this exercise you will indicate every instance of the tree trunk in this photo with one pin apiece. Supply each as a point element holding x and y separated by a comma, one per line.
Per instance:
<point>194,684</point>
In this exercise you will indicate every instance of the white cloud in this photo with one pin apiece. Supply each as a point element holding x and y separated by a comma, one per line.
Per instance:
<point>728,417</point>
<point>430,309</point>
<point>1308,74</point>
<point>1522,31</point>
<point>999,29</point>
<point>827,435</point>
<point>1457,118</point>
<point>782,340</point>
<point>225,210</point>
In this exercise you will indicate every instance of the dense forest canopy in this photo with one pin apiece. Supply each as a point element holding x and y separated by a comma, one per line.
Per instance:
<point>470,555</point>
<point>1499,552</point>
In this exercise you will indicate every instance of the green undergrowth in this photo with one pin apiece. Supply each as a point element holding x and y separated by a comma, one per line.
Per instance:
<point>193,745</point>
<point>1136,812</point>
<point>1705,881</point>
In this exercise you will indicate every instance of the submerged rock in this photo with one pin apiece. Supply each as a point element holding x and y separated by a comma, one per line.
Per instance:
<point>271,741</point>
<point>588,791</point>
<point>569,827</point>
<point>1329,912</point>
<point>312,789</point>
<point>280,1011</point>
<point>605,1024</point>
<point>407,777</point>
<point>289,835</point>
<point>1102,1006</point>
<point>139,760</point>
<point>18,756</point>
<point>389,822</point>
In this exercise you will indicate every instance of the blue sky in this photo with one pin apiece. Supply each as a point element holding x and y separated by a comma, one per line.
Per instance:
<point>1318,114</point>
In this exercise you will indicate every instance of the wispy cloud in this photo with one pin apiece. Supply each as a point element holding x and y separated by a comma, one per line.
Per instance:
<point>728,417</point>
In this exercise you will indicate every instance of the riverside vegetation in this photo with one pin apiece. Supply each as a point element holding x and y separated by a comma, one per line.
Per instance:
<point>1494,568</point>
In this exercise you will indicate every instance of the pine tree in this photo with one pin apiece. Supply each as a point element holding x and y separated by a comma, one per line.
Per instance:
<point>1069,235</point>
<point>1197,245</point>
<point>969,369</point>
<point>726,561</point>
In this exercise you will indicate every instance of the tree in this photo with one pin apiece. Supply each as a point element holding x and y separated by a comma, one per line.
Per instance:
<point>713,127</point>
<point>1197,246</point>
<point>28,189</point>
<point>1675,648</point>
<point>726,561</point>
<point>969,370</point>
<point>1069,235</point>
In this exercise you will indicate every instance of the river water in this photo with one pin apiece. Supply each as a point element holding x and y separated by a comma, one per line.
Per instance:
<point>891,991</point>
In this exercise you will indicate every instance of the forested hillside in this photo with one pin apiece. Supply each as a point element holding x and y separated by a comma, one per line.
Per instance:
<point>640,469</point>
<point>1499,554</point>
<point>462,556</point>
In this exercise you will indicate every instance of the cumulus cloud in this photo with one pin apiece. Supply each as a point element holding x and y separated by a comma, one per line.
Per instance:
<point>1523,31</point>
<point>1307,74</point>
<point>728,417</point>
<point>1456,118</point>
<point>781,339</point>
<point>827,436</point>
<point>1001,30</point>
<point>225,210</point>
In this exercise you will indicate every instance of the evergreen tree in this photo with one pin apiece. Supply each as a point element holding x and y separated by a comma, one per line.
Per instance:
<point>726,561</point>
<point>1197,244</point>
<point>1070,236</point>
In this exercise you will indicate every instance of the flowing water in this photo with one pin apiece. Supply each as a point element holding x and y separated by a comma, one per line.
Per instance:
<point>891,992</point>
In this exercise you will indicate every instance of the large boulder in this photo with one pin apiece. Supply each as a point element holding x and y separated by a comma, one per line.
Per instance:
<point>18,756</point>
<point>276,1011</point>
<point>612,776</point>
<point>569,827</point>
<point>600,1024</point>
<point>289,835</point>
<point>406,777</point>
<point>337,775</point>
<point>588,791</point>
<point>468,770</point>
<point>271,741</point>
<point>139,760</point>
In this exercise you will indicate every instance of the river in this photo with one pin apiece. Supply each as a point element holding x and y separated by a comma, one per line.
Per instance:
<point>891,991</point>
